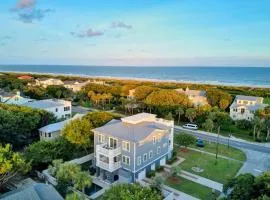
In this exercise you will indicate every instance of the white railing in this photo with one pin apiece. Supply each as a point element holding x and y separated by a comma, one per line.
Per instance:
<point>111,166</point>
<point>101,148</point>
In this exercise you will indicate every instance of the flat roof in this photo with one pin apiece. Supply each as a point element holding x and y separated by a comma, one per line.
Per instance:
<point>43,104</point>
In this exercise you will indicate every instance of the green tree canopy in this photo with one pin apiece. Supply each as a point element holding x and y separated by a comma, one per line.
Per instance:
<point>11,164</point>
<point>208,125</point>
<point>184,139</point>
<point>131,192</point>
<point>191,114</point>
<point>98,119</point>
<point>141,92</point>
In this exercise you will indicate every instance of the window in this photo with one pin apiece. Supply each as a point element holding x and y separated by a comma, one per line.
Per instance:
<point>145,157</point>
<point>49,134</point>
<point>45,134</point>
<point>158,150</point>
<point>67,108</point>
<point>139,160</point>
<point>112,143</point>
<point>41,134</point>
<point>150,154</point>
<point>126,146</point>
<point>242,110</point>
<point>101,138</point>
<point>56,109</point>
<point>126,160</point>
<point>154,140</point>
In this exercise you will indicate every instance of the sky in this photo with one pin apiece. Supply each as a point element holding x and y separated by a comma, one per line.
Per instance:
<point>136,32</point>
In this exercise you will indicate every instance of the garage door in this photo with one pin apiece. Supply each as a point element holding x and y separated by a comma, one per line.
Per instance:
<point>163,161</point>
<point>142,175</point>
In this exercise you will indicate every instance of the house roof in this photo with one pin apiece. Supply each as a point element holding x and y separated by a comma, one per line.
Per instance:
<point>43,104</point>
<point>37,191</point>
<point>248,98</point>
<point>25,77</point>
<point>59,125</point>
<point>254,107</point>
<point>6,94</point>
<point>130,132</point>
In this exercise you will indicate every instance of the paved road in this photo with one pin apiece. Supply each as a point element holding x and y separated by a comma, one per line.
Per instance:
<point>224,140</point>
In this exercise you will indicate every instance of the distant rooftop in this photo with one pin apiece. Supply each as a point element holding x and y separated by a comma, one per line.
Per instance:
<point>43,104</point>
<point>248,98</point>
<point>38,191</point>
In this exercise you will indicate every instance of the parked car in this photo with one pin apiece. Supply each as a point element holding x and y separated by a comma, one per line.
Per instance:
<point>199,143</point>
<point>191,126</point>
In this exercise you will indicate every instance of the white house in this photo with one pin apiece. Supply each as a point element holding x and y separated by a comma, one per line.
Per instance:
<point>52,131</point>
<point>75,86</point>
<point>60,108</point>
<point>13,98</point>
<point>244,107</point>
<point>197,97</point>
<point>45,82</point>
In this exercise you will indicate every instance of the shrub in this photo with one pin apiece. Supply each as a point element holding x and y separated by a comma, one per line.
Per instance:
<point>151,174</point>
<point>159,168</point>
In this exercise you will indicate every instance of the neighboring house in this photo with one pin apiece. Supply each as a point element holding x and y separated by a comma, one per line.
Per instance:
<point>131,94</point>
<point>35,191</point>
<point>52,131</point>
<point>244,107</point>
<point>25,77</point>
<point>197,97</point>
<point>127,149</point>
<point>45,82</point>
<point>13,98</point>
<point>60,108</point>
<point>75,86</point>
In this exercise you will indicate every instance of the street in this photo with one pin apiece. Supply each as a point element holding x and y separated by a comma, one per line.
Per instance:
<point>225,140</point>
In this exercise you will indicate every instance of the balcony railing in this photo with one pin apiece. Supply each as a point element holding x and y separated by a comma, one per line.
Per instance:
<point>108,151</point>
<point>111,166</point>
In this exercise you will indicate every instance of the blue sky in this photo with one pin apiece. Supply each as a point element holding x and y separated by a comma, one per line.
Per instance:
<point>139,32</point>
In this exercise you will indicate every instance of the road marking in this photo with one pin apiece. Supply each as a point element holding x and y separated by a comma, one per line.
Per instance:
<point>257,170</point>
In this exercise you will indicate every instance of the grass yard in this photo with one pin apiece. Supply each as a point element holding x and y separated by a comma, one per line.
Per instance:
<point>190,187</point>
<point>223,150</point>
<point>220,172</point>
<point>267,100</point>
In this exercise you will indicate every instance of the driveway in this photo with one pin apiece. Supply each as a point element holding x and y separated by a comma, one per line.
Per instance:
<point>256,163</point>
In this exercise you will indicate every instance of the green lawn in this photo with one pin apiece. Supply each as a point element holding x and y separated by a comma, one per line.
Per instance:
<point>190,187</point>
<point>267,100</point>
<point>221,171</point>
<point>223,150</point>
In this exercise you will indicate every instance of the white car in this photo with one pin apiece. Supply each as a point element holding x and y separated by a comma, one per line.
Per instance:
<point>191,126</point>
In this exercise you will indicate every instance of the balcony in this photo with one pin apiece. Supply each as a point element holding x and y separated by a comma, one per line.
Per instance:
<point>108,151</point>
<point>111,166</point>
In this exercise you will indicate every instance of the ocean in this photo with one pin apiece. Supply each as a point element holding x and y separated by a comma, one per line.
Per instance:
<point>240,76</point>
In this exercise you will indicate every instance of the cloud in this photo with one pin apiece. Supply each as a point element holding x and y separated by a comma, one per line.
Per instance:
<point>120,25</point>
<point>87,34</point>
<point>24,4</point>
<point>33,15</point>
<point>27,11</point>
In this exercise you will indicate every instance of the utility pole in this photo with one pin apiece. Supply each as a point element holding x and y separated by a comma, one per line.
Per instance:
<point>217,144</point>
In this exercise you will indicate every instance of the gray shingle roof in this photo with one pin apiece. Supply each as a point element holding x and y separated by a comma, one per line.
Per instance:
<point>43,104</point>
<point>38,191</point>
<point>130,132</point>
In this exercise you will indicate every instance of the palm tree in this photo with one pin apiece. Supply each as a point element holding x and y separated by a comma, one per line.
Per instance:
<point>256,123</point>
<point>267,126</point>
<point>191,114</point>
<point>179,111</point>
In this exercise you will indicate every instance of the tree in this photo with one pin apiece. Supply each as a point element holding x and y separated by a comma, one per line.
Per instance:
<point>175,170</point>
<point>224,103</point>
<point>218,98</point>
<point>11,164</point>
<point>141,92</point>
<point>130,192</point>
<point>74,196</point>
<point>208,125</point>
<point>169,116</point>
<point>42,153</point>
<point>242,187</point>
<point>71,174</point>
<point>191,114</point>
<point>256,126</point>
<point>267,126</point>
<point>78,131</point>
<point>179,111</point>
<point>98,119</point>
<point>58,91</point>
<point>262,185</point>
<point>184,139</point>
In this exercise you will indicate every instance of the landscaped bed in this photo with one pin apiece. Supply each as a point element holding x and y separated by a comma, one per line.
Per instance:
<point>221,171</point>
<point>189,187</point>
<point>223,150</point>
